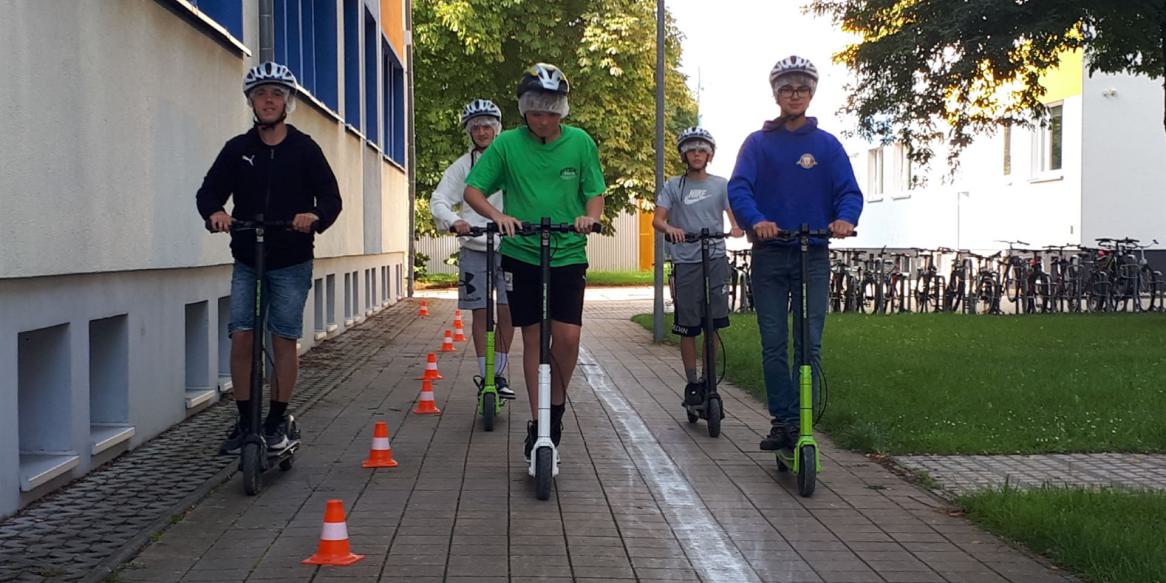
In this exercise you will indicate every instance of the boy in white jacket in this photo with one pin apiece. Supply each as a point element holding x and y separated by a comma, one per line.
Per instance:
<point>482,120</point>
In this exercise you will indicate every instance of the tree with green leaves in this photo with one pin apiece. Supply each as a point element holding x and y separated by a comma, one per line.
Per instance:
<point>924,68</point>
<point>467,49</point>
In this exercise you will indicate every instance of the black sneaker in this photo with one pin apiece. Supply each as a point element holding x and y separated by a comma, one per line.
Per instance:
<point>276,437</point>
<point>531,436</point>
<point>503,387</point>
<point>234,441</point>
<point>780,436</point>
<point>694,394</point>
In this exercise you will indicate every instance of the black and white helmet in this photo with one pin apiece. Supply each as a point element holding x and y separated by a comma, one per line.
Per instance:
<point>544,77</point>
<point>695,134</point>
<point>480,108</point>
<point>269,73</point>
<point>790,65</point>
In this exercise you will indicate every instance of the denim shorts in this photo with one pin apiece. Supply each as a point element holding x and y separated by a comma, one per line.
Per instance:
<point>287,291</point>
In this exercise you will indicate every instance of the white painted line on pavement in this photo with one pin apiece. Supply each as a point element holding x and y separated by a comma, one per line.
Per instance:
<point>711,552</point>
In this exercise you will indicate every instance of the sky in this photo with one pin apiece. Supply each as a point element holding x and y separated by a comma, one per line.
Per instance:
<point>730,46</point>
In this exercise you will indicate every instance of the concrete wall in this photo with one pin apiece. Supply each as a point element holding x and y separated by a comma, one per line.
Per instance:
<point>112,112</point>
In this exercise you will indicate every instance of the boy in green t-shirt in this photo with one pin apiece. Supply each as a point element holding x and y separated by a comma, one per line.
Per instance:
<point>549,170</point>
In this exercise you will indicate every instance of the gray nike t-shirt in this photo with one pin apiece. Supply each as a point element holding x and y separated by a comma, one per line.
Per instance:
<point>694,205</point>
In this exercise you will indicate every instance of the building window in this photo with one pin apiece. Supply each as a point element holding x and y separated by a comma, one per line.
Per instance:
<point>394,98</point>
<point>371,64</point>
<point>1008,150</point>
<point>228,13</point>
<point>903,176</point>
<point>1047,145</point>
<point>352,63</point>
<point>874,176</point>
<point>305,41</point>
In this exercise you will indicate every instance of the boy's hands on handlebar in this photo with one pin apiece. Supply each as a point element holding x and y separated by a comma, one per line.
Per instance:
<point>460,227</point>
<point>675,234</point>
<point>766,230</point>
<point>584,224</point>
<point>508,225</point>
<point>841,228</point>
<point>736,232</point>
<point>305,222</point>
<point>220,222</point>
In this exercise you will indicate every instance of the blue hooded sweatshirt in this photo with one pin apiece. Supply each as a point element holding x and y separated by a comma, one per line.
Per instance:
<point>794,178</point>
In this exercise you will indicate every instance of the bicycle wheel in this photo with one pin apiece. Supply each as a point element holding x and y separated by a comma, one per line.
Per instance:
<point>922,295</point>
<point>1144,290</point>
<point>1098,292</point>
<point>937,288</point>
<point>1041,293</point>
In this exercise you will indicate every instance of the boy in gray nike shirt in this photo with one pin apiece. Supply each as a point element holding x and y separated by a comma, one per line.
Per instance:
<point>687,204</point>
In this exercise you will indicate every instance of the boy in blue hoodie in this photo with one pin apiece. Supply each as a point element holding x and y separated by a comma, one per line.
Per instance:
<point>788,174</point>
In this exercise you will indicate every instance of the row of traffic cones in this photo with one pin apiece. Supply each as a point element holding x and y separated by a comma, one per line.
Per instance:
<point>334,548</point>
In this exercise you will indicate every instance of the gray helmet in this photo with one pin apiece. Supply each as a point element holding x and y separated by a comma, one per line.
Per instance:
<point>269,73</point>
<point>792,64</point>
<point>694,133</point>
<point>480,108</point>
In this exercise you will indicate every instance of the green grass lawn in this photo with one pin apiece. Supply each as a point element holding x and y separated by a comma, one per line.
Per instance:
<point>1109,536</point>
<point>944,384</point>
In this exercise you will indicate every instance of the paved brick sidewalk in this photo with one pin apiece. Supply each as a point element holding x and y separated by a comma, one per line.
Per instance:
<point>642,495</point>
<point>960,474</point>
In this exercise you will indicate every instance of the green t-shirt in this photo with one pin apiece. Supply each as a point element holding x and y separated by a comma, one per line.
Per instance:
<point>542,180</point>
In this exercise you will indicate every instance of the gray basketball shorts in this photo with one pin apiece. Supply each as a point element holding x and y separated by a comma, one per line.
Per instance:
<point>471,283</point>
<point>689,298</point>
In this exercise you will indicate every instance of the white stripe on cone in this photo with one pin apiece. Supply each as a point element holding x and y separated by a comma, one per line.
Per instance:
<point>334,531</point>
<point>426,396</point>
<point>380,443</point>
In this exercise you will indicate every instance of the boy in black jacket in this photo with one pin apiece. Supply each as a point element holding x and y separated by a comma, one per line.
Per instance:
<point>279,172</point>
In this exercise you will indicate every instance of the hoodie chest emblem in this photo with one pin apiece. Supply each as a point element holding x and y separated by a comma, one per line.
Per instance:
<point>807,161</point>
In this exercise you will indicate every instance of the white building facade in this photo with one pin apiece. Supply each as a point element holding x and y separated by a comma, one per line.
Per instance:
<point>114,300</point>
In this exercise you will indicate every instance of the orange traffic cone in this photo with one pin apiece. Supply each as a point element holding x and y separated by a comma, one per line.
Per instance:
<point>459,334</point>
<point>425,404</point>
<point>431,372</point>
<point>457,319</point>
<point>447,342</point>
<point>380,455</point>
<point>424,311</point>
<point>333,549</point>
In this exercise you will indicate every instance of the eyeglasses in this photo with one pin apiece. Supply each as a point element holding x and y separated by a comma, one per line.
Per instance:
<point>790,91</point>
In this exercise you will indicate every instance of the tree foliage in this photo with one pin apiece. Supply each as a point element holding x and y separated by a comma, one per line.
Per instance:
<point>468,49</point>
<point>926,68</point>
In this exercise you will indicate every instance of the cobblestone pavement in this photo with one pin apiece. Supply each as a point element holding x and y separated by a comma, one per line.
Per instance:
<point>642,495</point>
<point>959,474</point>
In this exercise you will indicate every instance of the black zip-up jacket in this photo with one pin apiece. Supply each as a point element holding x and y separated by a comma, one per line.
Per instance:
<point>293,177</point>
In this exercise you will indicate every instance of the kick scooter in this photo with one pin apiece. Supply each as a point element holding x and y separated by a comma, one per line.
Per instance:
<point>803,459</point>
<point>254,457</point>
<point>544,459</point>
<point>710,407</point>
<point>489,403</point>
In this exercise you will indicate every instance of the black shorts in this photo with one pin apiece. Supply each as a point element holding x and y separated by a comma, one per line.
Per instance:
<point>525,293</point>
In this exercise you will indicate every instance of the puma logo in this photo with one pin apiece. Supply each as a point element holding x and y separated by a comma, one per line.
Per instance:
<point>250,160</point>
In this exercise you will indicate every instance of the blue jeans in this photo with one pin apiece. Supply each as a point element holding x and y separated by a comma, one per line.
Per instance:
<point>287,292</point>
<point>777,285</point>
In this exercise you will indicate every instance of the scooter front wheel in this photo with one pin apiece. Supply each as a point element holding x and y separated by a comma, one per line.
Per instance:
<point>543,472</point>
<point>251,460</point>
<point>807,470</point>
<point>714,413</point>
<point>489,407</point>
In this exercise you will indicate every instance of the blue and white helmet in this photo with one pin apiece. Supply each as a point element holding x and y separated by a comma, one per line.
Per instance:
<point>790,65</point>
<point>480,108</point>
<point>269,73</point>
<point>695,134</point>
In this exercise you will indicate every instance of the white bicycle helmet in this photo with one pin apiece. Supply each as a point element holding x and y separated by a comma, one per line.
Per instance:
<point>694,134</point>
<point>793,64</point>
<point>269,73</point>
<point>480,108</point>
<point>544,77</point>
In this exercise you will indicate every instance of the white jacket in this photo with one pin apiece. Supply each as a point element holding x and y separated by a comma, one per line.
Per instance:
<point>449,196</point>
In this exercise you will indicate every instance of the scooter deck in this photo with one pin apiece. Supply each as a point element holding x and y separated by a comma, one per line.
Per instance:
<point>290,450</point>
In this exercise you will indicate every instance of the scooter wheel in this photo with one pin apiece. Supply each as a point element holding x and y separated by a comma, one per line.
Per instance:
<point>489,407</point>
<point>252,466</point>
<point>287,463</point>
<point>543,472</point>
<point>712,411</point>
<point>808,471</point>
<point>692,417</point>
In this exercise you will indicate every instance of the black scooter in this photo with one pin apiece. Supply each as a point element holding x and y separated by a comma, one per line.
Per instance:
<point>710,407</point>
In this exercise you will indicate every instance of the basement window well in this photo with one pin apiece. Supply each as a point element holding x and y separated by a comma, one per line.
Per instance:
<point>109,395</point>
<point>43,402</point>
<point>198,383</point>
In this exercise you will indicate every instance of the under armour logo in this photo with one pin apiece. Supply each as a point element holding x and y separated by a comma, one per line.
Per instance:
<point>250,160</point>
<point>465,282</point>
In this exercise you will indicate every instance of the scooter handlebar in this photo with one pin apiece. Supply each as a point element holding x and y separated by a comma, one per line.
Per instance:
<point>694,237</point>
<point>527,229</point>
<point>241,225</point>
